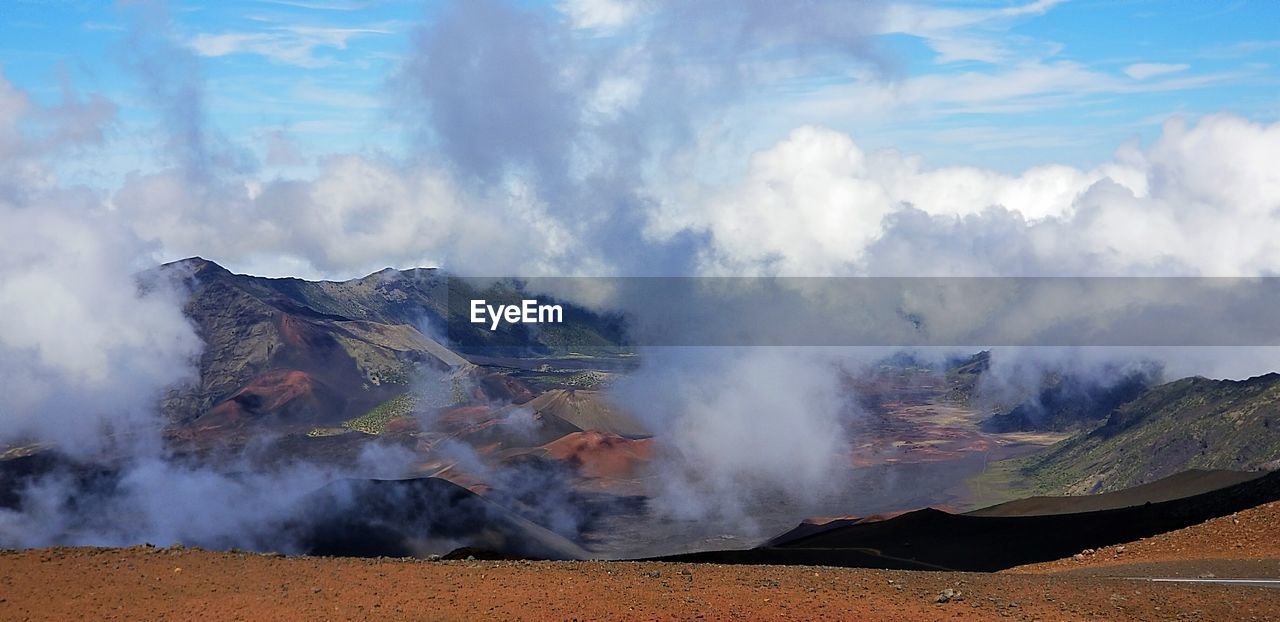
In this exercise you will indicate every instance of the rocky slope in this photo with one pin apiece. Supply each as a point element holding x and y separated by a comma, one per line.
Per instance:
<point>324,352</point>
<point>1190,423</point>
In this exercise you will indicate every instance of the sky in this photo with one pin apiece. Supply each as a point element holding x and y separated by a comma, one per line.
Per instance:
<point>1003,85</point>
<point>331,138</point>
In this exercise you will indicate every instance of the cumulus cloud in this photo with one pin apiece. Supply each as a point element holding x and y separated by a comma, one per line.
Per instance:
<point>600,139</point>
<point>536,140</point>
<point>546,150</point>
<point>503,94</point>
<point>356,215</point>
<point>1192,203</point>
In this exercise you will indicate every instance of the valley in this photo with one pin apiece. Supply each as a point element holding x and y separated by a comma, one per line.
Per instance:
<point>394,441</point>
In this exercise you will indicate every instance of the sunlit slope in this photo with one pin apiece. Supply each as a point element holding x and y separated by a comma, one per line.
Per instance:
<point>1193,423</point>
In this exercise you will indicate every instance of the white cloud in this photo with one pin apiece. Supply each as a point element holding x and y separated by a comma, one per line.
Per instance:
<point>565,168</point>
<point>739,422</point>
<point>804,201</point>
<point>1143,71</point>
<point>1023,87</point>
<point>601,14</point>
<point>84,354</point>
<point>956,49</point>
<point>293,45</point>
<point>920,20</point>
<point>961,34</point>
<point>1200,201</point>
<point>280,150</point>
<point>30,133</point>
<point>356,215</point>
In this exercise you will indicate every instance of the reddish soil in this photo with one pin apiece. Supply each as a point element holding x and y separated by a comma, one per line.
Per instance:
<point>503,388</point>
<point>268,392</point>
<point>1250,535</point>
<point>464,416</point>
<point>144,583</point>
<point>401,425</point>
<point>599,454</point>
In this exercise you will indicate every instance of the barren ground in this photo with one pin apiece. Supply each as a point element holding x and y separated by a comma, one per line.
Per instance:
<point>147,583</point>
<point>1244,544</point>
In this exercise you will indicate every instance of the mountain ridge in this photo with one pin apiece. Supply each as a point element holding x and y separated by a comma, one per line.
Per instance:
<point>360,341</point>
<point>1193,422</point>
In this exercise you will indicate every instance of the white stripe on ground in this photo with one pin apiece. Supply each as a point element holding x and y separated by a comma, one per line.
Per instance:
<point>1255,582</point>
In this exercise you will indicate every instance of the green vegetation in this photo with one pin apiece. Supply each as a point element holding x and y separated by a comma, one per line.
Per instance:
<point>588,379</point>
<point>441,391</point>
<point>1000,482</point>
<point>375,421</point>
<point>963,376</point>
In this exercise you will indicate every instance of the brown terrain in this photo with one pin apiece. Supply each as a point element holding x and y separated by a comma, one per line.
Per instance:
<point>150,583</point>
<point>1111,583</point>
<point>1243,544</point>
<point>599,454</point>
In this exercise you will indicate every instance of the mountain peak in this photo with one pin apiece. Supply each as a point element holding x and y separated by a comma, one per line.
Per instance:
<point>196,265</point>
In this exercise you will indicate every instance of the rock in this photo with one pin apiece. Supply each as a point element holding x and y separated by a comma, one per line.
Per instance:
<point>947,596</point>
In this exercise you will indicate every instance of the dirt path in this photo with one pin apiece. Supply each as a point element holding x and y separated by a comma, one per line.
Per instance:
<point>145,583</point>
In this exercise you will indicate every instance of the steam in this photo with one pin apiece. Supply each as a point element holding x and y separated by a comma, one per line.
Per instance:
<point>161,500</point>
<point>539,490</point>
<point>741,424</point>
<point>85,349</point>
<point>92,338</point>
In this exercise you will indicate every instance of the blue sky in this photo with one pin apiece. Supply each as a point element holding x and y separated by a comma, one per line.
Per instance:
<point>1062,82</point>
